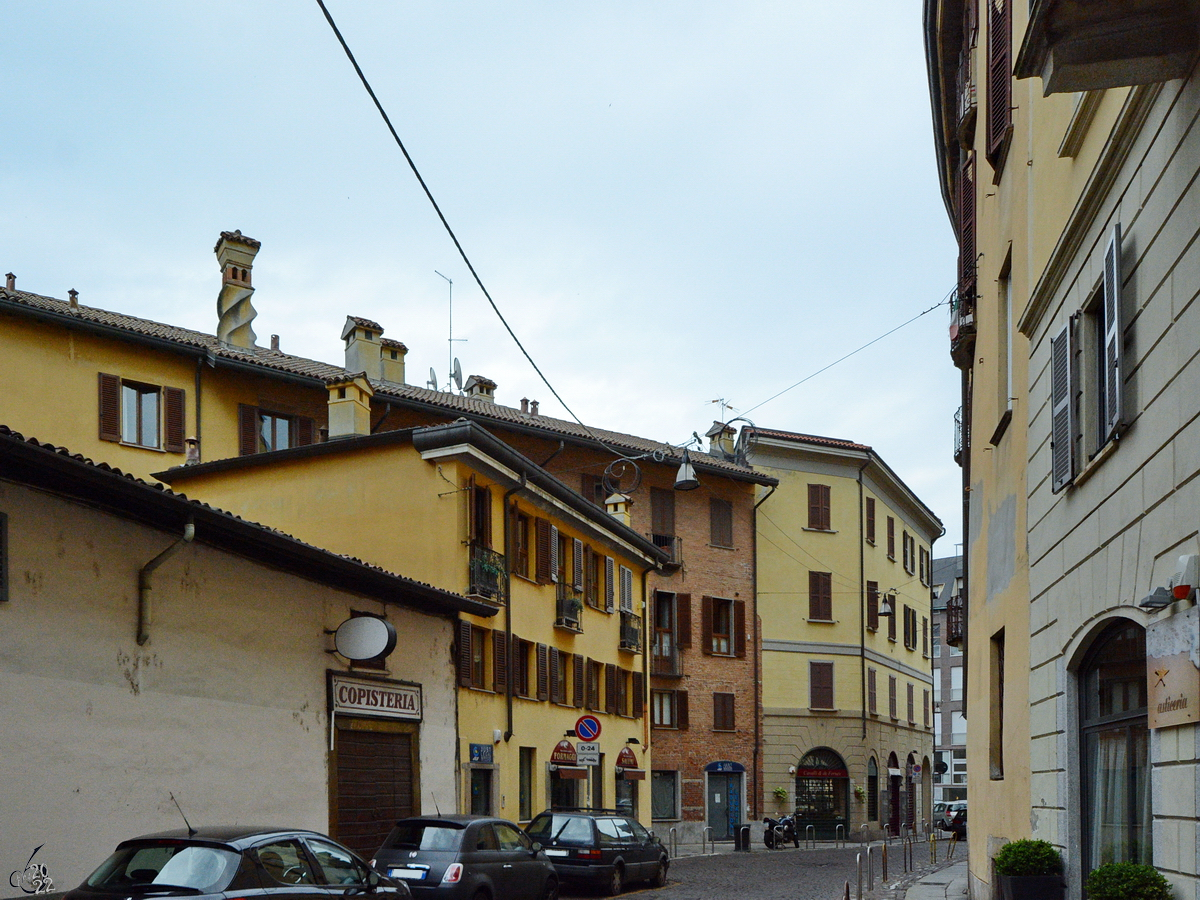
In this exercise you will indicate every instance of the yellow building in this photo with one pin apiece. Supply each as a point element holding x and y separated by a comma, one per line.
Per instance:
<point>847,688</point>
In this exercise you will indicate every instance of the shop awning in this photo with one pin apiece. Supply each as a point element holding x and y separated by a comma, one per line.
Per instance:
<point>575,772</point>
<point>632,774</point>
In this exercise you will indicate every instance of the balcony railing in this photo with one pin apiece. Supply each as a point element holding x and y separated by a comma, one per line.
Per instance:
<point>631,632</point>
<point>664,656</point>
<point>568,608</point>
<point>487,574</point>
<point>958,436</point>
<point>672,544</point>
<point>956,622</point>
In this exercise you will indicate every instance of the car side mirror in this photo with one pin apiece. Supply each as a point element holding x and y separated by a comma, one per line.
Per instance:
<point>653,836</point>
<point>373,880</point>
<point>535,849</point>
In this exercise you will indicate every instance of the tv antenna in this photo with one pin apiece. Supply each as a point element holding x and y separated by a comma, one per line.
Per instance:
<point>453,363</point>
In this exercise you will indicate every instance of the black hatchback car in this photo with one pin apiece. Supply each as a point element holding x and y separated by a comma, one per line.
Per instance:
<point>600,848</point>
<point>466,856</point>
<point>252,863</point>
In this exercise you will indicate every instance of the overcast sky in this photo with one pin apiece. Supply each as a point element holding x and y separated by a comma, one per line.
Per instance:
<point>672,203</point>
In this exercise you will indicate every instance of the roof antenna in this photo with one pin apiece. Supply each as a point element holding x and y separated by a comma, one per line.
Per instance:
<point>453,361</point>
<point>191,830</point>
<point>435,806</point>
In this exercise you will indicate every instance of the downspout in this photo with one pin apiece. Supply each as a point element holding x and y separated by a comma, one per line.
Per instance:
<point>862,601</point>
<point>144,589</point>
<point>645,663</point>
<point>508,693</point>
<point>561,445</point>
<point>757,646</point>
<point>199,369</point>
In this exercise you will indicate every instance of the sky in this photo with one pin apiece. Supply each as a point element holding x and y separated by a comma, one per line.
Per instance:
<point>681,208</point>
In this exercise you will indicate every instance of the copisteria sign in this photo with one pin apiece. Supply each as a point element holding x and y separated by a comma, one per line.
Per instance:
<point>367,697</point>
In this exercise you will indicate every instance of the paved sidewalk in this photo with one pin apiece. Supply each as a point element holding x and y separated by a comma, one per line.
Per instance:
<point>948,881</point>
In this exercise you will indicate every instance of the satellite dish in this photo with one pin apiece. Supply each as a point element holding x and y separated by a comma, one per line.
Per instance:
<point>457,374</point>
<point>365,637</point>
<point>432,382</point>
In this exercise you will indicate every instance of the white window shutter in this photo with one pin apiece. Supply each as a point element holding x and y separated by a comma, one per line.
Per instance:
<point>626,589</point>
<point>610,582</point>
<point>554,553</point>
<point>1111,365</point>
<point>1062,415</point>
<point>577,560</point>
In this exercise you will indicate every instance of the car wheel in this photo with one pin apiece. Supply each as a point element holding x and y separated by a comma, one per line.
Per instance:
<point>616,881</point>
<point>550,891</point>
<point>660,876</point>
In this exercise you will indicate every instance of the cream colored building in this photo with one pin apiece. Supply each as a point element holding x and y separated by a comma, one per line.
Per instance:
<point>847,690</point>
<point>1068,151</point>
<point>153,646</point>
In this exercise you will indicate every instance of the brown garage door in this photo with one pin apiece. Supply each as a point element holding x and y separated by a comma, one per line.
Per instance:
<point>376,781</point>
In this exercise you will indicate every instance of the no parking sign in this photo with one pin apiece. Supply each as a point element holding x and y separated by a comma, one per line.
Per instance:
<point>587,728</point>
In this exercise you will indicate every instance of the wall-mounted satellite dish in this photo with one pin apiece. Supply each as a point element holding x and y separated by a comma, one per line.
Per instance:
<point>365,637</point>
<point>432,382</point>
<point>457,374</point>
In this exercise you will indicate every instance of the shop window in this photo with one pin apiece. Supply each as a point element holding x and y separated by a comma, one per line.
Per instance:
<point>481,792</point>
<point>664,794</point>
<point>627,795</point>
<point>822,790</point>
<point>564,792</point>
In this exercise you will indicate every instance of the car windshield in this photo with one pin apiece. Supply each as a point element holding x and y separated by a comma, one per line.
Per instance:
<point>555,827</point>
<point>423,836</point>
<point>163,866</point>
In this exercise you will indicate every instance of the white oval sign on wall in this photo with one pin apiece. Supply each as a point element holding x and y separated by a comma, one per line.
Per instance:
<point>365,637</point>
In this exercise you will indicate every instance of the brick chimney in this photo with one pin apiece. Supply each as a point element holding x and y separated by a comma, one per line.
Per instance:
<point>349,407</point>
<point>480,388</point>
<point>364,346</point>
<point>235,254</point>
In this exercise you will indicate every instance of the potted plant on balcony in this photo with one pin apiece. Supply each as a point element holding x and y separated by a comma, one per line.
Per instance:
<point>1029,870</point>
<point>1127,881</point>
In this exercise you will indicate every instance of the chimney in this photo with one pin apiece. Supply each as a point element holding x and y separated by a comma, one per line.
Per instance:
<point>533,407</point>
<point>720,439</point>
<point>393,360</point>
<point>275,342</point>
<point>349,407</point>
<point>364,346</point>
<point>525,405</point>
<point>74,295</point>
<point>235,254</point>
<point>480,388</point>
<point>192,451</point>
<point>617,506</point>
<point>10,281</point>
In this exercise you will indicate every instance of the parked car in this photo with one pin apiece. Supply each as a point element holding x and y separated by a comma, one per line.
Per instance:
<point>954,818</point>
<point>606,848</point>
<point>245,862</point>
<point>466,856</point>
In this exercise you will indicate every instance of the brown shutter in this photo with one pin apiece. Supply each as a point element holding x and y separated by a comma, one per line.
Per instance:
<point>610,688</point>
<point>306,430</point>
<point>499,660</point>
<point>247,430</point>
<point>1062,409</point>
<point>912,716</point>
<point>639,690</point>
<point>739,628</point>
<point>579,681</point>
<point>542,573</point>
<point>683,621</point>
<point>871,519</point>
<point>110,407</point>
<point>818,506</point>
<point>999,90</point>
<point>472,510</point>
<point>464,653</point>
<point>966,235</point>
<point>706,625</point>
<point>892,619</point>
<point>871,692</point>
<point>577,564</point>
<point>543,672</point>
<point>681,709</point>
<point>555,676</point>
<point>891,537</point>
<point>592,696</point>
<point>820,676</point>
<point>173,419</point>
<point>873,605</point>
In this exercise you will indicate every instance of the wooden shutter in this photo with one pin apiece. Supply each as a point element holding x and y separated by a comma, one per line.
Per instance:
<point>626,589</point>
<point>912,716</point>
<point>925,636</point>
<point>543,672</point>
<point>593,688</point>
<point>892,696</point>
<point>591,487</point>
<point>610,688</point>
<point>1111,364</point>
<point>555,553</point>
<point>891,537</point>
<point>706,625</point>
<point>1062,410</point>
<point>662,512</point>
<point>681,709</point>
<point>820,598</point>
<point>110,407</point>
<point>639,691</point>
<point>892,618</point>
<point>820,676</point>
<point>683,621</point>
<point>818,506</point>
<point>720,522</point>
<point>610,582</point>
<point>739,628</point>
<point>925,701</point>
<point>247,430</point>
<point>873,605</point>
<point>872,708</point>
<point>544,556</point>
<point>871,519</point>
<point>306,431</point>
<point>173,419</point>
<point>999,89</point>
<point>499,661</point>
<point>464,653</point>
<point>577,563</point>
<point>556,676</point>
<point>966,235</point>
<point>579,681</point>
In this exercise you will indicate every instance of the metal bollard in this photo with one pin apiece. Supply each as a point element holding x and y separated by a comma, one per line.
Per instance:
<point>707,838</point>
<point>883,864</point>
<point>810,829</point>
<point>863,838</point>
<point>858,862</point>
<point>839,835</point>
<point>870,870</point>
<point>673,842</point>
<point>742,839</point>
<point>932,841</point>
<point>780,834</point>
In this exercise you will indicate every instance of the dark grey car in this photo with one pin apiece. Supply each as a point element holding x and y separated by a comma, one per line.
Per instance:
<point>466,857</point>
<point>600,848</point>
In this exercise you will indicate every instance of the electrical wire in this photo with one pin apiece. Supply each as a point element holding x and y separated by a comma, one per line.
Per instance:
<point>450,231</point>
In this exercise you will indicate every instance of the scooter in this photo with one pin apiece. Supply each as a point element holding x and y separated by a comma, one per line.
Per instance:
<point>784,827</point>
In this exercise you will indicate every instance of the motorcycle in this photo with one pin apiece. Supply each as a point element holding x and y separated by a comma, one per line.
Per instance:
<point>784,827</point>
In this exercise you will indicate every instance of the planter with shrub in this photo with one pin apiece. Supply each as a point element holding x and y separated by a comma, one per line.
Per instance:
<point>1029,870</point>
<point>1127,881</point>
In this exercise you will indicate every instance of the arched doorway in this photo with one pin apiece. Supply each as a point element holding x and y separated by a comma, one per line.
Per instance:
<point>895,791</point>
<point>926,791</point>
<point>872,790</point>
<point>909,802</point>
<point>822,793</point>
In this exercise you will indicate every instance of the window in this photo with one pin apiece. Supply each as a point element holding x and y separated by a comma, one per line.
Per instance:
<point>925,637</point>
<point>956,683</point>
<point>472,656</point>
<point>723,623</point>
<point>818,507</point>
<point>521,544</point>
<point>560,663</point>
<point>1004,346</point>
<point>662,516</point>
<point>262,430</point>
<point>592,488</point>
<point>820,685</point>
<point>667,639</point>
<point>999,82</point>
<point>668,709</point>
<point>910,627</point>
<point>1115,762</point>
<point>891,538</point>
<point>958,767</point>
<point>912,713</point>
<point>141,415</point>
<point>996,708</point>
<point>664,795</point>
<point>910,553</point>
<point>286,863</point>
<point>595,671</point>
<point>891,620</point>
<point>723,715</point>
<point>958,728</point>
<point>870,520</point>
<point>925,706</point>
<point>519,666</point>
<point>591,577</point>
<point>720,516</point>
<point>937,640</point>
<point>873,605</point>
<point>892,696</point>
<point>872,707</point>
<point>820,596</point>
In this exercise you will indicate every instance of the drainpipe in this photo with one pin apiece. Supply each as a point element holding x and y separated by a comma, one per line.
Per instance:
<point>144,589</point>
<point>508,563</point>
<point>199,369</point>
<point>561,445</point>
<point>757,647</point>
<point>862,601</point>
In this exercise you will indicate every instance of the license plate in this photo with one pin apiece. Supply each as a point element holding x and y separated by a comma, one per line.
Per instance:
<point>557,852</point>
<point>408,874</point>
